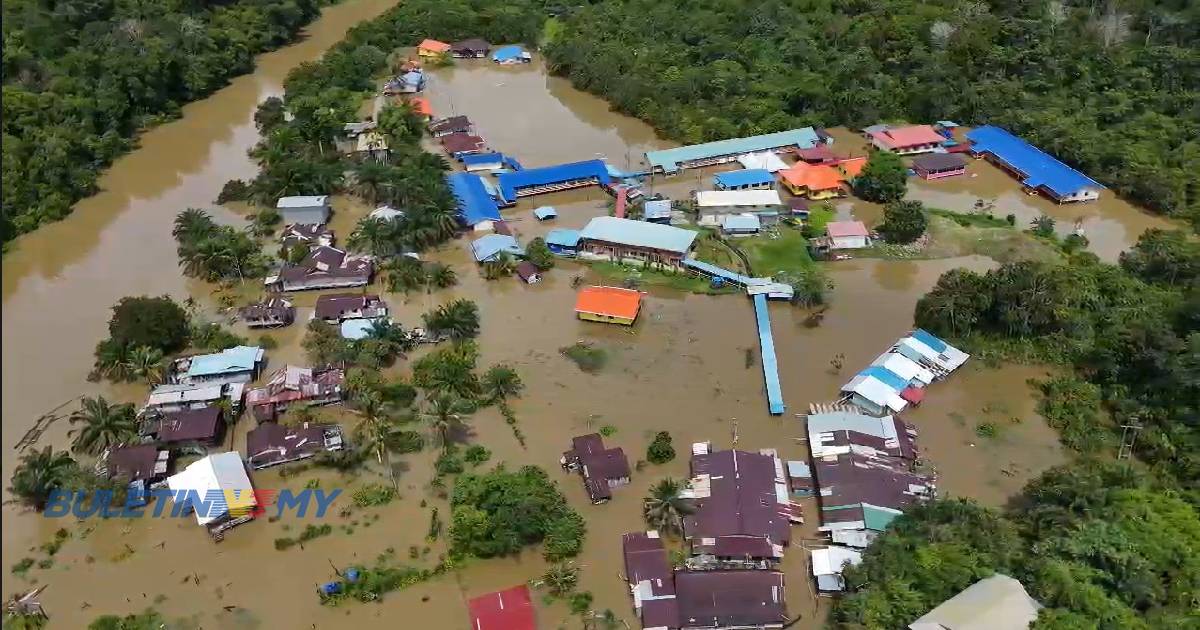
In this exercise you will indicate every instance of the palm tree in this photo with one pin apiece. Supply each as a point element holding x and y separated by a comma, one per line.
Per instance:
<point>561,578</point>
<point>443,412</point>
<point>443,219</point>
<point>503,265</point>
<point>440,276</point>
<point>39,473</point>
<point>192,225</point>
<point>501,382</point>
<point>378,432</point>
<point>391,334</point>
<point>402,274</point>
<point>147,362</point>
<point>112,361</point>
<point>368,178</point>
<point>104,425</point>
<point>665,508</point>
<point>1043,225</point>
<point>458,319</point>
<point>374,236</point>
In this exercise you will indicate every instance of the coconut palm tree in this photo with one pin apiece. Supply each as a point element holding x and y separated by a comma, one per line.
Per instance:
<point>501,382</point>
<point>369,178</point>
<point>502,266</point>
<point>112,361</point>
<point>104,425</point>
<point>444,413</point>
<point>665,508</point>
<point>39,473</point>
<point>439,276</point>
<point>561,578</point>
<point>378,433</point>
<point>147,362</point>
<point>458,319</point>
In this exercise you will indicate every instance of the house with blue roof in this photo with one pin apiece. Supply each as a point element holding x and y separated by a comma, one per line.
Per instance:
<point>489,248</point>
<point>635,243</point>
<point>476,208</point>
<point>547,179</point>
<point>482,161</point>
<point>239,364</point>
<point>562,242</point>
<point>745,179</point>
<point>1037,170</point>
<point>509,55</point>
<point>545,213</point>
<point>741,224</point>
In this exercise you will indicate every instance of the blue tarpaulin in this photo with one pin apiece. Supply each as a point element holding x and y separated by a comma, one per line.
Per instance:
<point>482,159</point>
<point>769,363</point>
<point>474,204</point>
<point>935,344</point>
<point>1039,169</point>
<point>886,376</point>
<point>511,183</point>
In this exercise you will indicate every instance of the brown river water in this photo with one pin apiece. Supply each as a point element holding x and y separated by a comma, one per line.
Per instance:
<point>682,368</point>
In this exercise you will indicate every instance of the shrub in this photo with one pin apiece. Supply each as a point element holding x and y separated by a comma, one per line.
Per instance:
<point>374,494</point>
<point>587,357</point>
<point>476,455</point>
<point>661,450</point>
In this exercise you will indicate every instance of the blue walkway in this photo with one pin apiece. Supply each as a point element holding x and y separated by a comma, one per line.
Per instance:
<point>714,271</point>
<point>770,364</point>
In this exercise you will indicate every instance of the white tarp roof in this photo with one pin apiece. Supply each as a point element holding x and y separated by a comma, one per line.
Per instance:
<point>827,566</point>
<point>875,391</point>
<point>995,603</point>
<point>765,160</point>
<point>179,394</point>
<point>222,473</point>
<point>903,367</point>
<point>737,198</point>
<point>302,201</point>
<point>949,359</point>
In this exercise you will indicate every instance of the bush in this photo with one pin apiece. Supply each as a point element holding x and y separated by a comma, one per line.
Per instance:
<point>883,180</point>
<point>903,221</point>
<point>154,322</point>
<point>476,455</point>
<point>408,442</point>
<point>588,357</point>
<point>539,254</point>
<point>499,512</point>
<point>234,190</point>
<point>374,494</point>
<point>1072,406</point>
<point>267,342</point>
<point>449,463</point>
<point>660,450</point>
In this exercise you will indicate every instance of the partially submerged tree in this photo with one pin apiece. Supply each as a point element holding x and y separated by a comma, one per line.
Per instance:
<point>102,425</point>
<point>884,179</point>
<point>903,221</point>
<point>39,473</point>
<point>665,507</point>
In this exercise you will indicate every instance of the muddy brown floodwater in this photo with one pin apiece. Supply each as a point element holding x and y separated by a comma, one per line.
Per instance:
<point>682,368</point>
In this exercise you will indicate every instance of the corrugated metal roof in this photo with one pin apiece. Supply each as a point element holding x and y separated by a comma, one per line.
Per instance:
<point>741,223</point>
<point>563,238</point>
<point>875,391</point>
<point>1041,170</point>
<point>995,603</point>
<point>877,518</point>
<point>302,201</point>
<point>545,212</point>
<point>638,234</point>
<point>657,209</point>
<point>510,182</point>
<point>505,53</point>
<point>480,159</point>
<point>219,481</point>
<point>474,204</point>
<point>887,377</point>
<point>737,198</point>
<point>236,359</point>
<point>668,159</point>
<point>490,246</point>
<point>744,177</point>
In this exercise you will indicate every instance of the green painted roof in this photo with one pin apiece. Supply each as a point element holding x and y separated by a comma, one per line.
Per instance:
<point>877,518</point>
<point>668,159</point>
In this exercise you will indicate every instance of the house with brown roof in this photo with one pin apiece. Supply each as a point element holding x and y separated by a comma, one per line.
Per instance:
<point>201,427</point>
<point>272,312</point>
<point>939,165</point>
<point>742,514</point>
<point>528,272</point>
<point>473,48</point>
<point>324,268</point>
<point>295,385</point>
<point>138,462</point>
<point>730,600</point>
<point>335,307</point>
<point>462,143</point>
<point>307,234</point>
<point>272,444</point>
<point>602,468</point>
<point>651,579</point>
<point>447,126</point>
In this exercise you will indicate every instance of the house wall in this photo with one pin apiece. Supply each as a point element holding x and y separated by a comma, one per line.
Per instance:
<point>1085,194</point>
<point>309,214</point>
<point>848,242</point>
<point>326,283</point>
<point>908,150</point>
<point>607,319</point>
<point>597,250</point>
<point>940,174</point>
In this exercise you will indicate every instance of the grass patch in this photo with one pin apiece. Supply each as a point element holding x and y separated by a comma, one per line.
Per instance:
<point>608,430</point>
<point>624,275</point>
<point>971,219</point>
<point>374,494</point>
<point>589,358</point>
<point>310,532</point>
<point>948,238</point>
<point>711,249</point>
<point>782,250</point>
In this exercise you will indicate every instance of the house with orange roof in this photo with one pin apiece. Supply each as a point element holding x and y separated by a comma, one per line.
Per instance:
<point>813,181</point>
<point>611,305</point>
<point>905,140</point>
<point>421,107</point>
<point>432,48</point>
<point>851,167</point>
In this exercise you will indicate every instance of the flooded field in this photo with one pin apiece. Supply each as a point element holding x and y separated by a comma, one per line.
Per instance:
<point>689,366</point>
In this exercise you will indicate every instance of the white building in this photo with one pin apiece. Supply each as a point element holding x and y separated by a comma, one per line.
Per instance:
<point>304,209</point>
<point>217,489</point>
<point>847,235</point>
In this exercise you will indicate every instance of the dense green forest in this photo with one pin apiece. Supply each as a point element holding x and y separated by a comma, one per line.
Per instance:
<point>81,77</point>
<point>1108,86</point>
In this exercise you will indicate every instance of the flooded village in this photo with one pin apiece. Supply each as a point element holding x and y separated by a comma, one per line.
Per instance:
<point>799,431</point>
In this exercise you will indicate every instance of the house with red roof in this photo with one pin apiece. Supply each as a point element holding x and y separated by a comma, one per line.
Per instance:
<point>847,235</point>
<point>510,609</point>
<point>906,140</point>
<point>432,48</point>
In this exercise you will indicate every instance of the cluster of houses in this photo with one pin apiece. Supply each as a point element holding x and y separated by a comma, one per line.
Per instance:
<point>323,265</point>
<point>863,469</point>
<point>474,48</point>
<point>735,536</point>
<point>188,416</point>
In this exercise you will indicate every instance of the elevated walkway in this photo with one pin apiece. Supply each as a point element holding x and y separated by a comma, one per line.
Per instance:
<point>770,364</point>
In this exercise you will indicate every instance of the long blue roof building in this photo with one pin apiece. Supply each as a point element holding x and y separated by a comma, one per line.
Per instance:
<point>545,179</point>
<point>1036,169</point>
<point>475,205</point>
